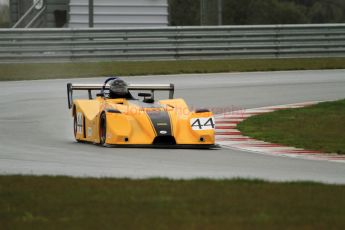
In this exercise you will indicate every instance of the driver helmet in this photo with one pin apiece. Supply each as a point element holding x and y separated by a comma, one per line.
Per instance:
<point>118,87</point>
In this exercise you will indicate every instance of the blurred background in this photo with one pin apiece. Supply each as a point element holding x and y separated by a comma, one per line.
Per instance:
<point>255,12</point>
<point>4,14</point>
<point>183,12</point>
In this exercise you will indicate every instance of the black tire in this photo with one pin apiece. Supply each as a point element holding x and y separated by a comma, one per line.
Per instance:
<point>75,126</point>
<point>103,129</point>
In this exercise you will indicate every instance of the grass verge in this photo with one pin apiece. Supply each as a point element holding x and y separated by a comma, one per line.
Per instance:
<point>92,69</point>
<point>29,202</point>
<point>320,127</point>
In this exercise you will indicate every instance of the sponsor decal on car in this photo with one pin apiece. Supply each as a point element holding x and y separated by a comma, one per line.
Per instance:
<point>79,123</point>
<point>89,132</point>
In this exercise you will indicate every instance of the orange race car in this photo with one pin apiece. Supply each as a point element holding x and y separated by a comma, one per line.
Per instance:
<point>115,117</point>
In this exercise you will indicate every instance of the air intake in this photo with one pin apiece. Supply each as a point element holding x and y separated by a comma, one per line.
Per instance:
<point>164,140</point>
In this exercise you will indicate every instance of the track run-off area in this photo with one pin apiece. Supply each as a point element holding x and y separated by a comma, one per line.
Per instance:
<point>36,133</point>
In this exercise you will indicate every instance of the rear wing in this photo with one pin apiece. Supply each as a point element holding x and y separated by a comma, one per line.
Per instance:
<point>92,87</point>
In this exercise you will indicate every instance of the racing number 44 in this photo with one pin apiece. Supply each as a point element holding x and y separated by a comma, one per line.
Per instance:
<point>205,123</point>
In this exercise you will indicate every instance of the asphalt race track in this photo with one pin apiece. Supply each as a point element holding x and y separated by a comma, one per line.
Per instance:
<point>36,129</point>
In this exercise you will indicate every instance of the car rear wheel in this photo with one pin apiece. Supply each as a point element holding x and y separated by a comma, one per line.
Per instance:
<point>103,129</point>
<point>75,126</point>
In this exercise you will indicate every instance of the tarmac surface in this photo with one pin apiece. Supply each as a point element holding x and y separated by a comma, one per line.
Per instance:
<point>36,134</point>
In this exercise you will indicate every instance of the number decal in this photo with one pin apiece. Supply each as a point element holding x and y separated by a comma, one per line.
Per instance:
<point>79,123</point>
<point>196,124</point>
<point>203,123</point>
<point>210,122</point>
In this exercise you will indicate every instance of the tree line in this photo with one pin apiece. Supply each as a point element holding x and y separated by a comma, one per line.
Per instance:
<point>256,12</point>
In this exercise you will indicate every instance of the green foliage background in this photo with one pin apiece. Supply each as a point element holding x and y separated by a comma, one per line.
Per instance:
<point>256,12</point>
